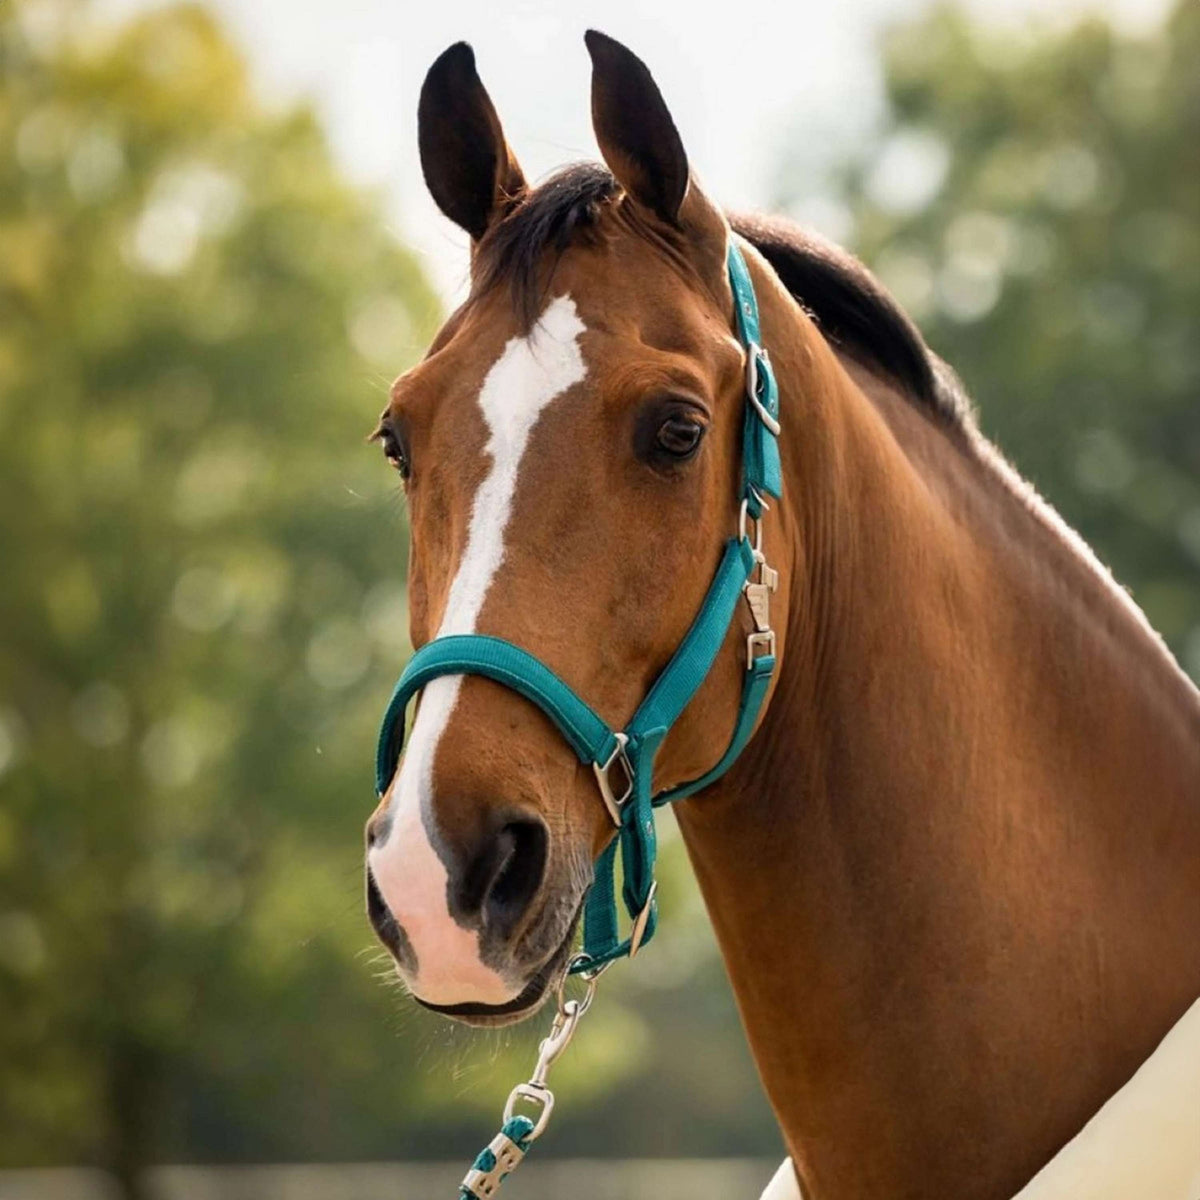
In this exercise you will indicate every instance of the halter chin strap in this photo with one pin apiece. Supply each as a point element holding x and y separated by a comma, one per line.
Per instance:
<point>623,761</point>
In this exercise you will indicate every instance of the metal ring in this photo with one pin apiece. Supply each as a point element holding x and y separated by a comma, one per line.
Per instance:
<point>590,979</point>
<point>753,350</point>
<point>577,967</point>
<point>753,353</point>
<point>532,1094</point>
<point>744,519</point>
<point>641,920</point>
<point>764,641</point>
<point>612,802</point>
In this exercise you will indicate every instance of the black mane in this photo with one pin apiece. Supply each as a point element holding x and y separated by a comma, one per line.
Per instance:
<point>849,305</point>
<point>856,314</point>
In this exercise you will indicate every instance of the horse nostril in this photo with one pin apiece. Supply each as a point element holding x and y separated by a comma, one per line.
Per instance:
<point>381,917</point>
<point>520,867</point>
<point>378,828</point>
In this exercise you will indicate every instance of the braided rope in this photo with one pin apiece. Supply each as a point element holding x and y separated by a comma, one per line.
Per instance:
<point>517,1130</point>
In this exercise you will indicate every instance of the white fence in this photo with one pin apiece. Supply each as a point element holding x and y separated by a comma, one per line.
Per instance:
<point>547,1179</point>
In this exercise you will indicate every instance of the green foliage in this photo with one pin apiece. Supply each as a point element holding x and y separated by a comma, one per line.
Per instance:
<point>1035,205</point>
<point>201,606</point>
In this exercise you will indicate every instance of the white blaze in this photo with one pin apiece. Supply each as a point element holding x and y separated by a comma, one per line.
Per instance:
<point>530,373</point>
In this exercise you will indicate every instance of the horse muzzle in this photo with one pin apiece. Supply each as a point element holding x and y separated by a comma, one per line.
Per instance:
<point>477,927</point>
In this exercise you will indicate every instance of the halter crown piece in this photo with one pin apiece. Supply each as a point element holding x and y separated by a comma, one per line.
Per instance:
<point>623,761</point>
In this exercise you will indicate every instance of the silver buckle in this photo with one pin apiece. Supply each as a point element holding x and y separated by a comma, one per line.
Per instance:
<point>745,520</point>
<point>758,592</point>
<point>612,802</point>
<point>639,925</point>
<point>763,641</point>
<point>531,1093</point>
<point>753,352</point>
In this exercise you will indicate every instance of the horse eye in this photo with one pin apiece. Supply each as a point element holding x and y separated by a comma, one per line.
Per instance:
<point>680,436</point>
<point>395,452</point>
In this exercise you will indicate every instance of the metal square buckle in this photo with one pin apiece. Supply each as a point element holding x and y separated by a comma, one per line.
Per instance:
<point>638,932</point>
<point>612,801</point>
<point>759,645</point>
<point>758,364</point>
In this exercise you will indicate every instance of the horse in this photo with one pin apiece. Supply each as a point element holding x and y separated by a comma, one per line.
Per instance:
<point>955,871</point>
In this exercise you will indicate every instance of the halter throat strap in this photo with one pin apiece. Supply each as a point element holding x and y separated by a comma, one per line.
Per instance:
<point>623,761</point>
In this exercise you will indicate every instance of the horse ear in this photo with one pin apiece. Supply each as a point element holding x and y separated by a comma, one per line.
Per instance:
<point>637,137</point>
<point>468,167</point>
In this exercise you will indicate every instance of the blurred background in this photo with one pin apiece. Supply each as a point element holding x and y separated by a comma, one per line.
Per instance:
<point>215,253</point>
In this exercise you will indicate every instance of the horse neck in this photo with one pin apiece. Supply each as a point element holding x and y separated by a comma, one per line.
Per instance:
<point>955,876</point>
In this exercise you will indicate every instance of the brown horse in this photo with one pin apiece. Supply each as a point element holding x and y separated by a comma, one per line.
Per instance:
<point>955,875</point>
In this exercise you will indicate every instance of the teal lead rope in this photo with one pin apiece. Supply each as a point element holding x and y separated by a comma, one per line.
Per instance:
<point>623,761</point>
<point>503,1154</point>
<point>496,1161</point>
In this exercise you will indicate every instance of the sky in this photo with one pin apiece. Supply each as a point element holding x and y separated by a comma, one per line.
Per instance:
<point>741,91</point>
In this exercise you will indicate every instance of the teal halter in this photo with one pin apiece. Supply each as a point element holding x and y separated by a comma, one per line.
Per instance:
<point>743,572</point>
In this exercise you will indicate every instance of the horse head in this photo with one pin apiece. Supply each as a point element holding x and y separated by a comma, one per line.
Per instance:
<point>570,450</point>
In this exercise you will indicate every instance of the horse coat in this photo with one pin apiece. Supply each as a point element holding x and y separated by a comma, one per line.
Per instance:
<point>1144,1144</point>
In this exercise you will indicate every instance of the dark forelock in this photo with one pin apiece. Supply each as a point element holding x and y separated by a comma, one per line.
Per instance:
<point>559,212</point>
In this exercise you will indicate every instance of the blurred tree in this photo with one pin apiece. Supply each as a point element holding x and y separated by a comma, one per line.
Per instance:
<point>195,316</point>
<point>1034,203</point>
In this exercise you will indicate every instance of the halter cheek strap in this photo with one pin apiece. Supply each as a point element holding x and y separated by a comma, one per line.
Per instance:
<point>623,761</point>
